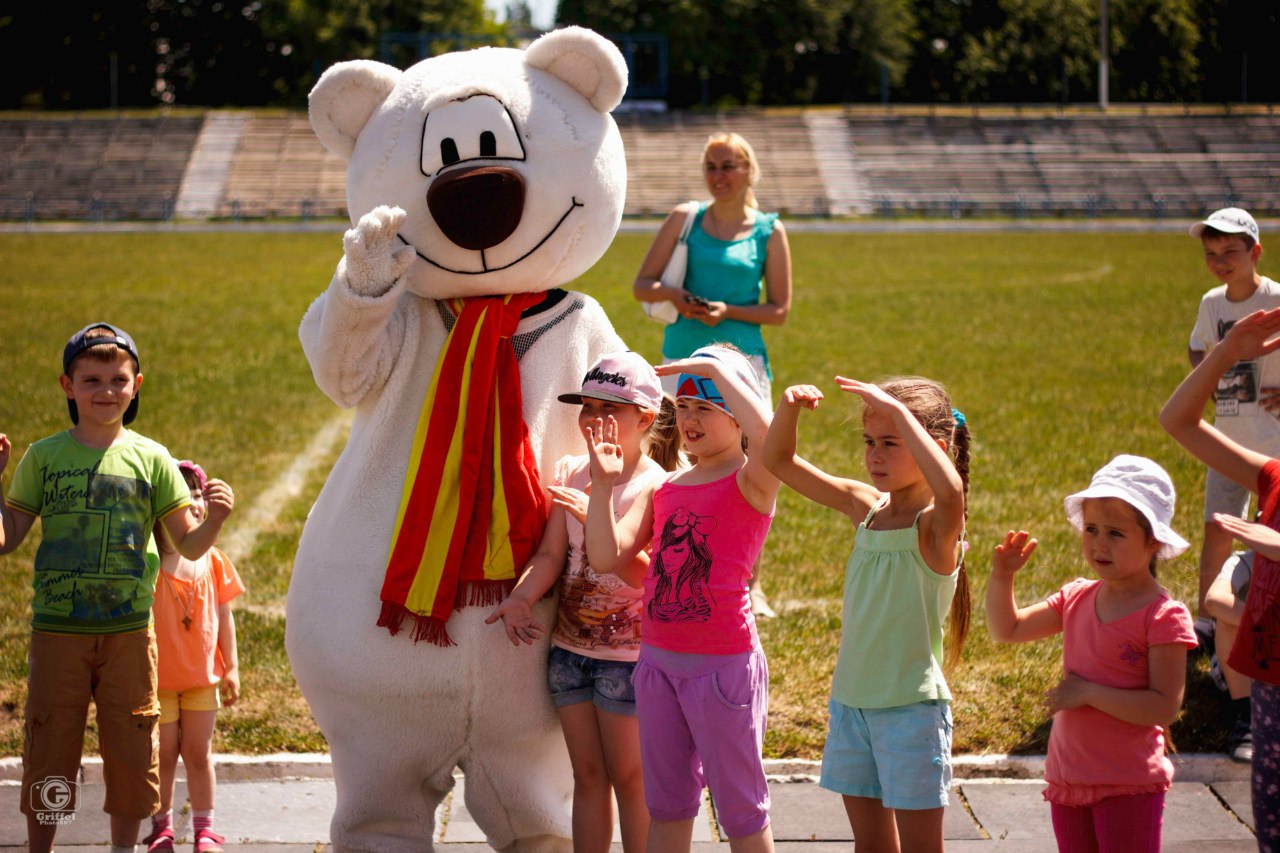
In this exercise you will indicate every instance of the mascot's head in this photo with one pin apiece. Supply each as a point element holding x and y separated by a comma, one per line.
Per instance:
<point>507,162</point>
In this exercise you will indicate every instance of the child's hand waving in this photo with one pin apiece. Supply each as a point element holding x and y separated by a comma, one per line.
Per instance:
<point>604,450</point>
<point>802,396</point>
<point>1013,552</point>
<point>5,450</point>
<point>1255,335</point>
<point>219,499</point>
<point>1259,537</point>
<point>517,619</point>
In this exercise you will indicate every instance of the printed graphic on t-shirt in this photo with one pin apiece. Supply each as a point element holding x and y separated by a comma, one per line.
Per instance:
<point>1238,385</point>
<point>93,553</point>
<point>681,568</point>
<point>596,610</point>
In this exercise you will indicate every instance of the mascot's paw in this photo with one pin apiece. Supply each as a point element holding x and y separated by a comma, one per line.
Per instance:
<point>374,257</point>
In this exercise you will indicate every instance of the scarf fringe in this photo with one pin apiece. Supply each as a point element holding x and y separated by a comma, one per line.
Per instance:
<point>482,593</point>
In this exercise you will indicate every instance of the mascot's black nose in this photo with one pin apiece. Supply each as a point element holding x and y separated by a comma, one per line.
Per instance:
<point>477,207</point>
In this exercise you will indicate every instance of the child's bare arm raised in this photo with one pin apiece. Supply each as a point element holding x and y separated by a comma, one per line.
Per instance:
<point>14,523</point>
<point>614,544</point>
<point>193,538</point>
<point>851,497</point>
<point>1182,417</point>
<point>1006,621</point>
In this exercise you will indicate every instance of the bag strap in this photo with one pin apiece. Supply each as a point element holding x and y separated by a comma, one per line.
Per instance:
<point>688,221</point>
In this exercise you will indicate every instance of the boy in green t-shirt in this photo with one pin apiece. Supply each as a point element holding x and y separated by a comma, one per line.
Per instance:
<point>98,489</point>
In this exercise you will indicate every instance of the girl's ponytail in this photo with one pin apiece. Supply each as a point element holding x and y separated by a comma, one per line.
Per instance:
<point>961,604</point>
<point>662,441</point>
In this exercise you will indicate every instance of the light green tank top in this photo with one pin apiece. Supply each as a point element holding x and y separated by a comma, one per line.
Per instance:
<point>894,606</point>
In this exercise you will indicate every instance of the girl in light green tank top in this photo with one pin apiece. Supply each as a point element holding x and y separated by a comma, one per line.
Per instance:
<point>904,579</point>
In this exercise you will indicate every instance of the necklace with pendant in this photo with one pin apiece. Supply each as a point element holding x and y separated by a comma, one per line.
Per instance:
<point>186,610</point>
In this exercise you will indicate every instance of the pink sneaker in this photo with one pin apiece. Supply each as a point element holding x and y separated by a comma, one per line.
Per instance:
<point>160,841</point>
<point>207,841</point>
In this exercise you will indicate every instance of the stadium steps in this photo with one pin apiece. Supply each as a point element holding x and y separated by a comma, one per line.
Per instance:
<point>204,182</point>
<point>837,160</point>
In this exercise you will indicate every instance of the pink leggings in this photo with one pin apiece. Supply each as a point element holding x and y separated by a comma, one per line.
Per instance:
<point>1129,824</point>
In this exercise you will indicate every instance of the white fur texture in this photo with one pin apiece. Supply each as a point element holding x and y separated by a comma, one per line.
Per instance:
<point>400,717</point>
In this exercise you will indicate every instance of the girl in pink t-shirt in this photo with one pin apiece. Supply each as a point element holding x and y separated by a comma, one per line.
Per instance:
<point>701,682</point>
<point>1124,655</point>
<point>596,639</point>
<point>198,673</point>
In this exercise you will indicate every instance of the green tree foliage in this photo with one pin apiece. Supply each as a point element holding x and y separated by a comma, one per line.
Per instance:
<point>203,52</point>
<point>764,51</point>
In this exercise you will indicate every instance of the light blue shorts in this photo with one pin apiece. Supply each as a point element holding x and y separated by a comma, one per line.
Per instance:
<point>901,756</point>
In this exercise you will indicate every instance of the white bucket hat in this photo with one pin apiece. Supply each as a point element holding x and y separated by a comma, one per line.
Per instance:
<point>1142,484</point>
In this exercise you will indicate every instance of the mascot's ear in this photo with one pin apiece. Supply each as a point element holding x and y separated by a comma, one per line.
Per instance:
<point>344,98</point>
<point>586,61</point>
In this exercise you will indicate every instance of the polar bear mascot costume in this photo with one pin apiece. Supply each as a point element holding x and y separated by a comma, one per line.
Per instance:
<point>479,182</point>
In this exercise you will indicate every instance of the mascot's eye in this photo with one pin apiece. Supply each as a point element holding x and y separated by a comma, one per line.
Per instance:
<point>474,128</point>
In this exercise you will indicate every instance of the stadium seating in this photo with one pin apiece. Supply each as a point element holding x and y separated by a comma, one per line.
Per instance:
<point>91,167</point>
<point>855,160</point>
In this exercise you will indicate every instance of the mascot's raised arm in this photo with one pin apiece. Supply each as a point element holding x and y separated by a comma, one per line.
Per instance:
<point>478,183</point>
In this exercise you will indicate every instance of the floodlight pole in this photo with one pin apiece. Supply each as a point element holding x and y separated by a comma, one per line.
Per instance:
<point>1103,60</point>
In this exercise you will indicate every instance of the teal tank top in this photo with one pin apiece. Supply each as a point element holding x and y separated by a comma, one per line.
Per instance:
<point>727,271</point>
<point>894,606</point>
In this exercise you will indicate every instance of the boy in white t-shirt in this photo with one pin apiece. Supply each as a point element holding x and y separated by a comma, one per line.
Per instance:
<point>1247,401</point>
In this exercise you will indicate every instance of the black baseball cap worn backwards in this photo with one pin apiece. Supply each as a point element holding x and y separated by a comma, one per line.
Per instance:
<point>79,343</point>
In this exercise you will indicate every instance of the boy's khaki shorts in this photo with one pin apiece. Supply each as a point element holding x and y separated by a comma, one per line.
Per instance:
<point>118,673</point>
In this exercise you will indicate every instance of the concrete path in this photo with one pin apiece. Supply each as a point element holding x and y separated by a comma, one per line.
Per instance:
<point>283,805</point>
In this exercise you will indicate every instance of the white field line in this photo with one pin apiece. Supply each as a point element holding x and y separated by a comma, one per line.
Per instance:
<point>263,512</point>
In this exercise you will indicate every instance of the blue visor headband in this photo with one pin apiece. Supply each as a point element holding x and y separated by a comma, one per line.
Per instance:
<point>701,388</point>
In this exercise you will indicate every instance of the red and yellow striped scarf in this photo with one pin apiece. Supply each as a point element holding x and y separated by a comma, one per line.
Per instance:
<point>472,510</point>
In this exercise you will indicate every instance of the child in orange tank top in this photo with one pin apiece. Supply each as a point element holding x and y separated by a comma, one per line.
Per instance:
<point>198,673</point>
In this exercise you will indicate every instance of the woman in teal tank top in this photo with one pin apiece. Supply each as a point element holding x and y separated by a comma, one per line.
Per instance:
<point>732,246</point>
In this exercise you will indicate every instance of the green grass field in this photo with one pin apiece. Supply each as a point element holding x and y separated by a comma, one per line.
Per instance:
<point>1060,349</point>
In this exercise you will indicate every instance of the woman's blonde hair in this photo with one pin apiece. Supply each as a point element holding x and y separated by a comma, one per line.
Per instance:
<point>744,150</point>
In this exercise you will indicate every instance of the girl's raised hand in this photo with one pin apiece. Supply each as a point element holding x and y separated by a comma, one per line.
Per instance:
<point>695,366</point>
<point>1013,552</point>
<point>517,619</point>
<point>573,501</point>
<point>802,396</point>
<point>5,450</point>
<point>604,449</point>
<point>1259,537</point>
<point>1255,335</point>
<point>873,395</point>
<point>218,499</point>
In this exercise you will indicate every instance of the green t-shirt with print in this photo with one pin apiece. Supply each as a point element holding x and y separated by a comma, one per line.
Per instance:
<point>97,508</point>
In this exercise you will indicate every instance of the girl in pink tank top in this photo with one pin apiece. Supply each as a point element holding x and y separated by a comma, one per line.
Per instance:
<point>701,682</point>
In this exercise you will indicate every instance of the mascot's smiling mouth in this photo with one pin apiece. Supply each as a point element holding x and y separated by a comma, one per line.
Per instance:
<point>573,203</point>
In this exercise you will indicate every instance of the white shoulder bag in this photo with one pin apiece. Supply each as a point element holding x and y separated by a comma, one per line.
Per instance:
<point>673,274</point>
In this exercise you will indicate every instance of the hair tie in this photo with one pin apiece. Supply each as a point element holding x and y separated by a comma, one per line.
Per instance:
<point>958,416</point>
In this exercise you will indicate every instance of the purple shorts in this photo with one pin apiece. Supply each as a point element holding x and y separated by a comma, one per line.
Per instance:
<point>702,719</point>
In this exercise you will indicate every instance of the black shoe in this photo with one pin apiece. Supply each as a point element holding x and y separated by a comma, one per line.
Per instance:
<point>1240,743</point>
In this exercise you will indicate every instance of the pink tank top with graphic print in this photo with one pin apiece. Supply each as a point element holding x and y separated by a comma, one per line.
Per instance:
<point>706,539</point>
